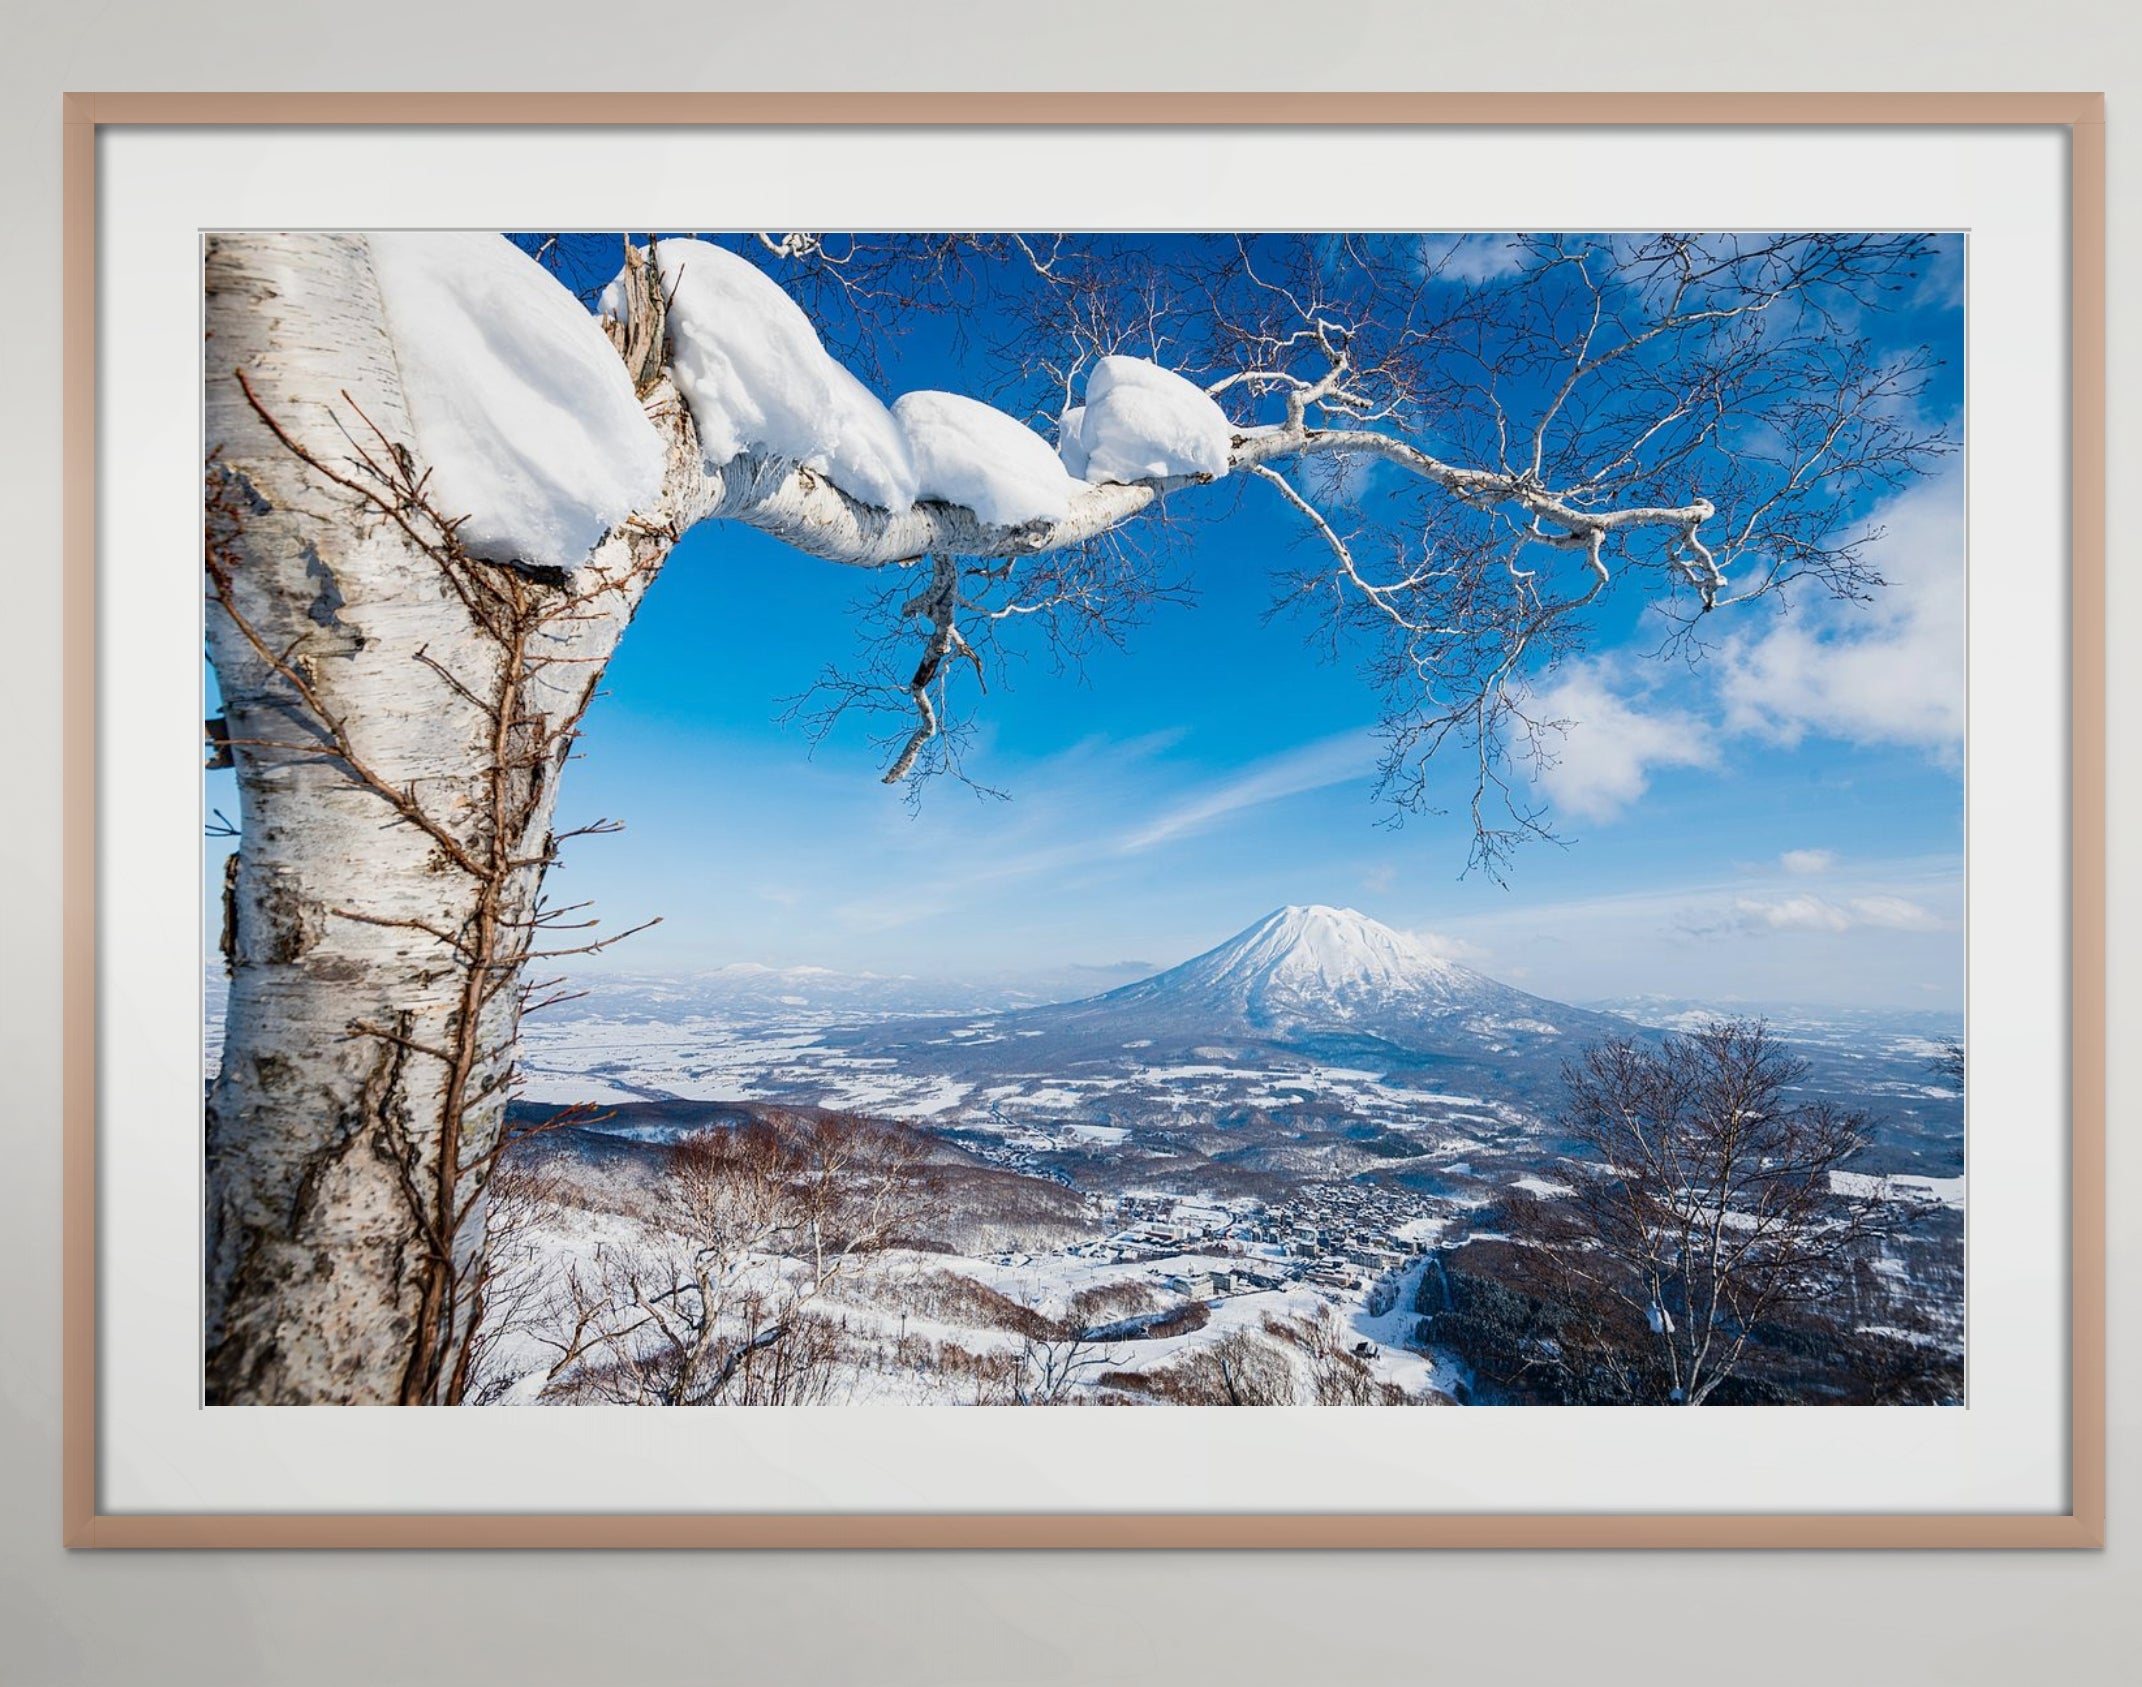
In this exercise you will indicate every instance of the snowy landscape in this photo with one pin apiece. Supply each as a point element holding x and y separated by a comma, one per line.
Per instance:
<point>1274,1151</point>
<point>1078,1081</point>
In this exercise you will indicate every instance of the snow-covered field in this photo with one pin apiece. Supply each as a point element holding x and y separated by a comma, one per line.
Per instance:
<point>718,1059</point>
<point>699,1059</point>
<point>1947,1191</point>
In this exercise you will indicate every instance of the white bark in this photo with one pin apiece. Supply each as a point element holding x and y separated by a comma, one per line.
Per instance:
<point>804,509</point>
<point>394,824</point>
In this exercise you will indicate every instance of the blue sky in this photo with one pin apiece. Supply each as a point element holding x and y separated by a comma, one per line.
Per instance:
<point>1780,822</point>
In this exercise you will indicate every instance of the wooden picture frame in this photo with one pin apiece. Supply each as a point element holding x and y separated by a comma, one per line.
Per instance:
<point>2081,1524</point>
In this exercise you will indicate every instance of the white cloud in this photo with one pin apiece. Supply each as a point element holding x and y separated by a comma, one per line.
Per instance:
<point>1942,282</point>
<point>1444,947</point>
<point>1889,671</point>
<point>1470,258</point>
<point>1895,913</point>
<point>1884,931</point>
<point>1815,913</point>
<point>1610,745</point>
<point>1793,913</point>
<point>1805,863</point>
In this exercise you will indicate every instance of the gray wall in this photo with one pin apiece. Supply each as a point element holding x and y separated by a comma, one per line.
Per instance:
<point>237,1619</point>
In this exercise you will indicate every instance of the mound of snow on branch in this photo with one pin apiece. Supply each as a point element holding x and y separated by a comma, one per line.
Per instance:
<point>525,418</point>
<point>973,454</point>
<point>750,365</point>
<point>1143,422</point>
<point>1070,449</point>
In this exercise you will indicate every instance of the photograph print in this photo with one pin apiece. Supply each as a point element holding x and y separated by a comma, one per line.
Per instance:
<point>1084,819</point>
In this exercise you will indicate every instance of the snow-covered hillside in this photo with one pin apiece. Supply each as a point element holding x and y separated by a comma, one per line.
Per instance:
<point>1225,1182</point>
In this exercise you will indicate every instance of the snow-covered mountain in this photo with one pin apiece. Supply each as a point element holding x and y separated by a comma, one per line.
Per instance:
<point>1304,999</point>
<point>1319,970</point>
<point>1302,992</point>
<point>1314,966</point>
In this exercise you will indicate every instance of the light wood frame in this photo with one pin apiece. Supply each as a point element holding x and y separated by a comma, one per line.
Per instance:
<point>2081,114</point>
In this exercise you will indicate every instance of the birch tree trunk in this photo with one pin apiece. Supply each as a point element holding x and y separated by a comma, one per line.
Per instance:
<point>397,715</point>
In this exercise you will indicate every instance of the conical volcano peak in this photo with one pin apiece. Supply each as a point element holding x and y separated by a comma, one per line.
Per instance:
<point>1306,973</point>
<point>1308,967</point>
<point>1321,950</point>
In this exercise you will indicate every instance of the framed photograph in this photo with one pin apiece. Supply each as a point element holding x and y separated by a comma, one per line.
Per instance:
<point>1430,764</point>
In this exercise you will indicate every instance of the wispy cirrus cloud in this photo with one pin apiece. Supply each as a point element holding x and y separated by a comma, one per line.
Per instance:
<point>1072,821</point>
<point>1336,760</point>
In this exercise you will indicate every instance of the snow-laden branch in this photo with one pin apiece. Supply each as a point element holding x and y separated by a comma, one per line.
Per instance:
<point>794,445</point>
<point>520,402</point>
<point>1637,354</point>
<point>805,510</point>
<point>802,506</point>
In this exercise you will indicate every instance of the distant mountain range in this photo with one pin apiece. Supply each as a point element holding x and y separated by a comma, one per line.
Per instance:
<point>1311,1021</point>
<point>746,989</point>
